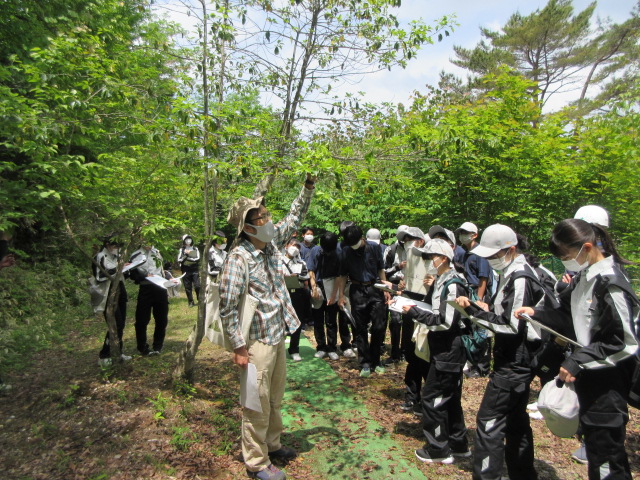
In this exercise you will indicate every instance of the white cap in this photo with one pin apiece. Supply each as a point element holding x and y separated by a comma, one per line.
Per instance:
<point>438,229</point>
<point>373,235</point>
<point>495,238</point>
<point>467,227</point>
<point>414,232</point>
<point>559,406</point>
<point>593,214</point>
<point>401,232</point>
<point>438,246</point>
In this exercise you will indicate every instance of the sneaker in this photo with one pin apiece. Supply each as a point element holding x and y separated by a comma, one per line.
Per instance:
<point>269,473</point>
<point>406,406</point>
<point>365,372</point>
<point>380,370</point>
<point>473,373</point>
<point>349,353</point>
<point>536,416</point>
<point>320,354</point>
<point>5,388</point>
<point>423,456</point>
<point>417,409</point>
<point>533,407</point>
<point>191,304</point>
<point>104,362</point>
<point>153,353</point>
<point>333,356</point>
<point>580,455</point>
<point>465,454</point>
<point>296,357</point>
<point>283,453</point>
<point>125,358</point>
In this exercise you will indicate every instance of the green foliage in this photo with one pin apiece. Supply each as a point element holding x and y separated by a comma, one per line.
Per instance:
<point>183,438</point>
<point>160,405</point>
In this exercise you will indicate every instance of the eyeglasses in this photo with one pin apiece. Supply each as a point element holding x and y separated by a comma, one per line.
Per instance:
<point>265,217</point>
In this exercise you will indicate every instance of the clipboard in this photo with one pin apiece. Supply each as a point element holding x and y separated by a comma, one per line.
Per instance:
<point>536,323</point>
<point>477,321</point>
<point>292,282</point>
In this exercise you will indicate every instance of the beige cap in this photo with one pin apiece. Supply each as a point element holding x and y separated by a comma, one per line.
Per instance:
<point>238,211</point>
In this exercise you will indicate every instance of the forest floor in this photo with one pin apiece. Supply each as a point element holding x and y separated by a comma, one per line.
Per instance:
<point>66,418</point>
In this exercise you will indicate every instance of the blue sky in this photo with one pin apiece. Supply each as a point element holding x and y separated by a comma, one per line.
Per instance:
<point>397,86</point>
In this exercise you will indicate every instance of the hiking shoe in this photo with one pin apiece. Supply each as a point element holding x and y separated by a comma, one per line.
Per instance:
<point>333,356</point>
<point>580,455</point>
<point>296,357</point>
<point>283,453</point>
<point>380,370</point>
<point>349,353</point>
<point>365,372</point>
<point>423,456</point>
<point>406,406</point>
<point>104,362</point>
<point>462,454</point>
<point>269,473</point>
<point>320,354</point>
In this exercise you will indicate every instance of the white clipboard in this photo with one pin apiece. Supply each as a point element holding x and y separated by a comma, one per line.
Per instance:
<point>481,323</point>
<point>536,323</point>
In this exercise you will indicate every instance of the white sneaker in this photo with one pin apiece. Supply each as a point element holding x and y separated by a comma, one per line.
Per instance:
<point>333,356</point>
<point>349,353</point>
<point>125,358</point>
<point>104,362</point>
<point>533,407</point>
<point>296,357</point>
<point>320,354</point>
<point>536,415</point>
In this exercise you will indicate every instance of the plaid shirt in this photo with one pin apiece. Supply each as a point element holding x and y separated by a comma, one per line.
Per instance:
<point>275,312</point>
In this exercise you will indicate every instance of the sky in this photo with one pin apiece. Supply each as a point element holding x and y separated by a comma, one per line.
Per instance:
<point>398,84</point>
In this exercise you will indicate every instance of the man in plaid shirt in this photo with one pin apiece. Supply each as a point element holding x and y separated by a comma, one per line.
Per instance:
<point>259,242</point>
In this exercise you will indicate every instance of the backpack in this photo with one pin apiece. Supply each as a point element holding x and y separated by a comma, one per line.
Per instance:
<point>476,341</point>
<point>600,288</point>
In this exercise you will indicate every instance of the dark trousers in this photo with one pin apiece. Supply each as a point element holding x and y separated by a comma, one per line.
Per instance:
<point>603,418</point>
<point>442,417</point>
<point>504,432</point>
<point>367,305</point>
<point>417,368</point>
<point>325,327</point>
<point>346,331</point>
<point>191,280</point>
<point>395,330</point>
<point>301,305</point>
<point>121,318</point>
<point>151,298</point>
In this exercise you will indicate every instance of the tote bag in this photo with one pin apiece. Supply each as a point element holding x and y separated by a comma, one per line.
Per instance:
<point>214,330</point>
<point>421,338</point>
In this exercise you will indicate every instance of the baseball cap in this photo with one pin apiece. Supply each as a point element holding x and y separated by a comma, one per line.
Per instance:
<point>495,238</point>
<point>414,232</point>
<point>438,229</point>
<point>467,227</point>
<point>438,246</point>
<point>238,211</point>
<point>593,214</point>
<point>401,232</point>
<point>558,404</point>
<point>373,234</point>
<point>344,225</point>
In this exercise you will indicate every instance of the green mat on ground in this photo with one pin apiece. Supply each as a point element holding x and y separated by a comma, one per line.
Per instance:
<point>332,429</point>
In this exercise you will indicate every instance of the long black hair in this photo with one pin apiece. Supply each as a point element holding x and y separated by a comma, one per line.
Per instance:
<point>573,233</point>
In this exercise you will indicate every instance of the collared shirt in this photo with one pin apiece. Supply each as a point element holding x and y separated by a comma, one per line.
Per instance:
<point>153,264</point>
<point>216,260</point>
<point>306,253</point>
<point>475,268</point>
<point>274,314</point>
<point>363,264</point>
<point>107,261</point>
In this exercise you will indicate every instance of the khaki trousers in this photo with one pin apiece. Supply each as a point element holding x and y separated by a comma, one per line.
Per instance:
<point>261,431</point>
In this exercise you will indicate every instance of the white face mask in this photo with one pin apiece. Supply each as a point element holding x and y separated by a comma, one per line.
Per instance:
<point>409,244</point>
<point>222,246</point>
<point>358,245</point>
<point>293,251</point>
<point>431,267</point>
<point>188,241</point>
<point>466,238</point>
<point>573,265</point>
<point>500,264</point>
<point>308,238</point>
<point>114,251</point>
<point>265,233</point>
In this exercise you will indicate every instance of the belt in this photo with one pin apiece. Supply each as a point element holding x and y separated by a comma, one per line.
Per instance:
<point>355,282</point>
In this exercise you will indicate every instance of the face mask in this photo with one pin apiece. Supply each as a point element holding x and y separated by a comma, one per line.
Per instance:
<point>114,251</point>
<point>222,246</point>
<point>466,238</point>
<point>264,233</point>
<point>573,265</point>
<point>431,268</point>
<point>308,238</point>
<point>293,252</point>
<point>188,241</point>
<point>357,245</point>
<point>500,264</point>
<point>409,244</point>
